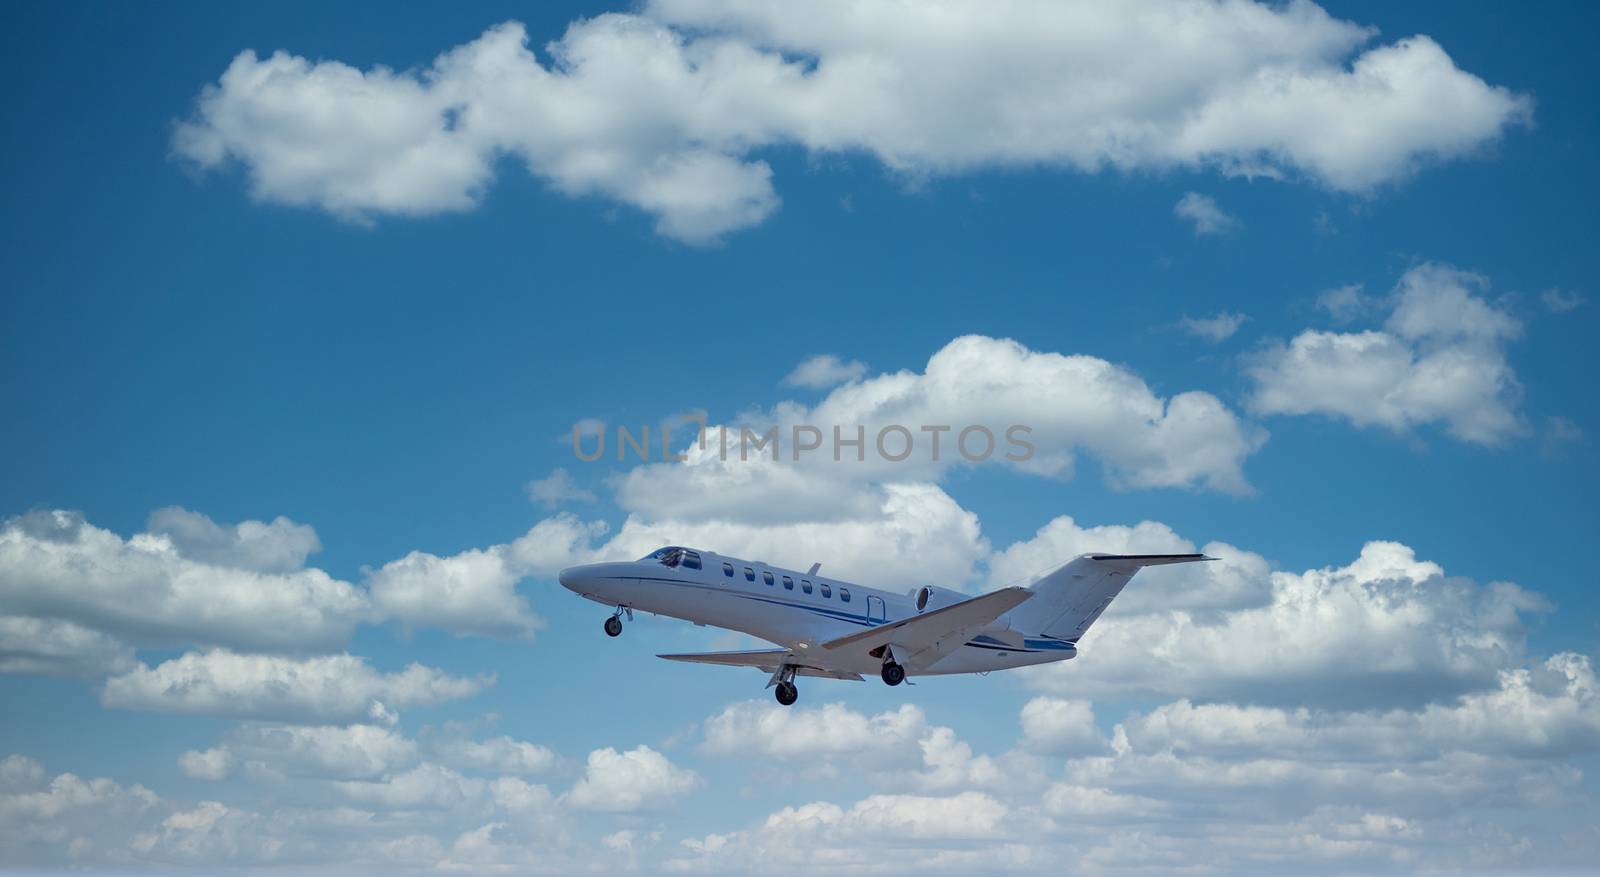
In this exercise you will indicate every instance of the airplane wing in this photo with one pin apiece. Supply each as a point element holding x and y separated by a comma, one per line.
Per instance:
<point>923,639</point>
<point>764,659</point>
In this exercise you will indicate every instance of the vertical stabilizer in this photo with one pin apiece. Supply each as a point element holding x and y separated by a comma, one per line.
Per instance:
<point>1068,600</point>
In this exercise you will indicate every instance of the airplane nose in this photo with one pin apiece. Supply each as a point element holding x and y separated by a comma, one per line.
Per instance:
<point>568,578</point>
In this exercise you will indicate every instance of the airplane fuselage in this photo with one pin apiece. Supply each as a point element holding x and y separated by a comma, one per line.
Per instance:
<point>794,609</point>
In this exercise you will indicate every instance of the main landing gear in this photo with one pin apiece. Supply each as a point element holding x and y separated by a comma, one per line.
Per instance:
<point>785,690</point>
<point>614,623</point>
<point>892,673</point>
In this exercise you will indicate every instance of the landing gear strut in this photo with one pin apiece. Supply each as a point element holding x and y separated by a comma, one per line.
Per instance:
<point>785,690</point>
<point>614,623</point>
<point>893,674</point>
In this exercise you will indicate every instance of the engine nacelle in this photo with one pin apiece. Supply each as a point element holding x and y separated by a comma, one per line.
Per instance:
<point>930,597</point>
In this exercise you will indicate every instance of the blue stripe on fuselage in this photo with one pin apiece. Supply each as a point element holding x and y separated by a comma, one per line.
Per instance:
<point>980,642</point>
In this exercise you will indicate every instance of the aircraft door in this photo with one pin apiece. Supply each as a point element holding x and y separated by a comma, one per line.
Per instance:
<point>876,612</point>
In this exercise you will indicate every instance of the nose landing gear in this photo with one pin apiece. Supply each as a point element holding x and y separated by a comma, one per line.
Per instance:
<point>614,623</point>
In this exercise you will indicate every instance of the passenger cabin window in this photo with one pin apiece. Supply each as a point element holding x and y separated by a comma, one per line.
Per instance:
<point>826,591</point>
<point>844,595</point>
<point>805,585</point>
<point>749,574</point>
<point>727,570</point>
<point>766,576</point>
<point>788,583</point>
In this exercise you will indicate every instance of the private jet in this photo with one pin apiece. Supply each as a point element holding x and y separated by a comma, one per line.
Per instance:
<point>833,629</point>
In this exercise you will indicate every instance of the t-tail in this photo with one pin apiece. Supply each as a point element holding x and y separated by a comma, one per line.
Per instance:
<point>1067,601</point>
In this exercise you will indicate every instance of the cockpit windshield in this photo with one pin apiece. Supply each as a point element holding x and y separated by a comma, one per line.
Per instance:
<point>674,556</point>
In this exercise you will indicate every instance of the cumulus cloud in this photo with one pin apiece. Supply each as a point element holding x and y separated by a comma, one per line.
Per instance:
<point>557,488</point>
<point>1058,725</point>
<point>147,591</point>
<point>322,689</point>
<point>499,755</point>
<point>823,371</point>
<point>280,546</point>
<point>46,647</point>
<point>1385,629</point>
<point>474,591</point>
<point>39,815</point>
<point>1440,358</point>
<point>639,779</point>
<point>1215,329</point>
<point>1207,217</point>
<point>936,420</point>
<point>321,751</point>
<point>664,110</point>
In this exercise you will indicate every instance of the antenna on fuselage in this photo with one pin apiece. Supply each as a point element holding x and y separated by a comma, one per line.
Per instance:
<point>814,568</point>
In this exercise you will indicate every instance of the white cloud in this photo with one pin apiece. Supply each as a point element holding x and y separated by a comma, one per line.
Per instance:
<point>1216,329</point>
<point>1068,405</point>
<point>1440,358</point>
<point>428,786</point>
<point>499,755</point>
<point>639,779</point>
<point>206,764</point>
<point>1207,217</point>
<point>757,729</point>
<point>328,688</point>
<point>918,534</point>
<point>65,812</point>
<point>279,547</point>
<point>59,648</point>
<point>823,371</point>
<point>1385,629</point>
<point>1057,725</point>
<point>1561,301</point>
<point>321,751</point>
<point>557,488</point>
<point>663,110</point>
<point>1237,579</point>
<point>473,592</point>
<point>54,564</point>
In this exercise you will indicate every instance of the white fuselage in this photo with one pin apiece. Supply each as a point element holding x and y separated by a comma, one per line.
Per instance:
<point>796,610</point>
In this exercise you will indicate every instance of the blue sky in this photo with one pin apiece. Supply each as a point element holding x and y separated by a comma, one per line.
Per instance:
<point>389,353</point>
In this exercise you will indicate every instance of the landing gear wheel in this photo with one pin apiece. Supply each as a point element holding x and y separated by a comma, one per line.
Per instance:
<point>786,693</point>
<point>893,674</point>
<point>613,626</point>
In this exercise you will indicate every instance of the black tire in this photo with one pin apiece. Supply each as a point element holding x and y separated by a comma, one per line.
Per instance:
<point>787,693</point>
<point>893,674</point>
<point>613,626</point>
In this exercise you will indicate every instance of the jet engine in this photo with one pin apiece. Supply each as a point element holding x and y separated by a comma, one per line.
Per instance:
<point>929,597</point>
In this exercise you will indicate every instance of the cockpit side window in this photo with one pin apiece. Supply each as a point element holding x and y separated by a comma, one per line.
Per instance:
<point>672,555</point>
